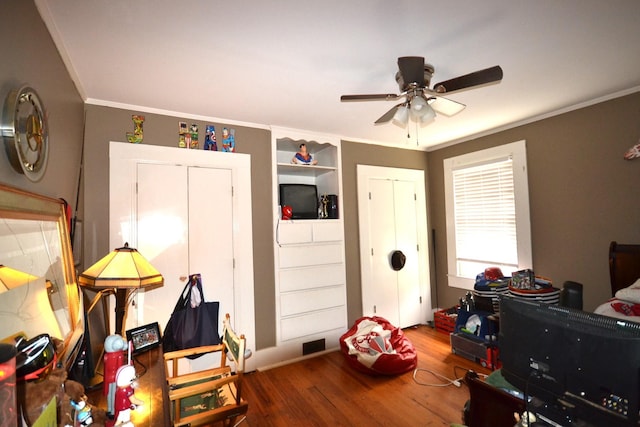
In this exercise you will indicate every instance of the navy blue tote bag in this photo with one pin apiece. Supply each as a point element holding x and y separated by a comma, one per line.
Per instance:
<point>194,322</point>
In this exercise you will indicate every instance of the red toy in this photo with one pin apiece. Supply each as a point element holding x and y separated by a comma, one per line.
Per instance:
<point>114,346</point>
<point>287,212</point>
<point>125,399</point>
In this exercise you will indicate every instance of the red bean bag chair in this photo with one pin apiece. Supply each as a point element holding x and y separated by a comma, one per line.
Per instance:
<point>376,347</point>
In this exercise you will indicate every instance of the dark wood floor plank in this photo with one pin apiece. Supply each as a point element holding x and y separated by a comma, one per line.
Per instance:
<point>326,391</point>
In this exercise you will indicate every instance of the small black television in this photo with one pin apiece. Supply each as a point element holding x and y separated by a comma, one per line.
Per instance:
<point>574,367</point>
<point>303,199</point>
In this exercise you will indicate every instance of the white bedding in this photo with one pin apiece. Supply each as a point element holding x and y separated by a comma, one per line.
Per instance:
<point>629,295</point>
<point>607,310</point>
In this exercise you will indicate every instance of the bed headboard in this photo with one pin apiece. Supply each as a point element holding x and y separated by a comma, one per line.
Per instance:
<point>624,265</point>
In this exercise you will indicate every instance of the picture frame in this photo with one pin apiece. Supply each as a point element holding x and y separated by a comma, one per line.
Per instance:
<point>144,338</point>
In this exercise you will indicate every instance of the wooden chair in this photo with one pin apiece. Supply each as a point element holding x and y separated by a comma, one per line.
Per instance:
<point>211,395</point>
<point>624,265</point>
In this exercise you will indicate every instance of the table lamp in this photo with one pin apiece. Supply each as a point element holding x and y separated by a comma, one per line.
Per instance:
<point>11,278</point>
<point>124,270</point>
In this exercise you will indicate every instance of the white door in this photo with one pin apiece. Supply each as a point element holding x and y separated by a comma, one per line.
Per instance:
<point>392,216</point>
<point>186,211</point>
<point>380,295</point>
<point>408,278</point>
<point>197,218</point>
<point>211,235</point>
<point>161,204</point>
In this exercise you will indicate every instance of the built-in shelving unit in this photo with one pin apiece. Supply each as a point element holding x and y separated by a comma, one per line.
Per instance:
<point>311,306</point>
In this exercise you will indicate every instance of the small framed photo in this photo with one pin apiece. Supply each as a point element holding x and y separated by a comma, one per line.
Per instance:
<point>144,337</point>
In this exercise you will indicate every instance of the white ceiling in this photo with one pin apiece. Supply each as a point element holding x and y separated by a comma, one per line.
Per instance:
<point>286,62</point>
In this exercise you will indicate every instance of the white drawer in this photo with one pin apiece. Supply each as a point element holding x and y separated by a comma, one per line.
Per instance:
<point>301,256</point>
<point>290,232</point>
<point>295,279</point>
<point>310,300</point>
<point>313,323</point>
<point>329,231</point>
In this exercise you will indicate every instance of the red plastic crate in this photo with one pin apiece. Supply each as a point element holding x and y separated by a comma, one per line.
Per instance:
<point>445,320</point>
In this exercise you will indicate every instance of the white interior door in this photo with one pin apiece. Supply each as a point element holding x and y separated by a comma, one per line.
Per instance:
<point>186,211</point>
<point>162,204</point>
<point>392,216</point>
<point>408,278</point>
<point>380,297</point>
<point>198,220</point>
<point>211,234</point>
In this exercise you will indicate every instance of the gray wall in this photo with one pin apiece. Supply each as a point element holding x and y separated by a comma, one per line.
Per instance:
<point>30,56</point>
<point>582,193</point>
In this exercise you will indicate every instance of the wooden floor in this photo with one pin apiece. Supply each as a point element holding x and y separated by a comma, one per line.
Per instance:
<point>325,391</point>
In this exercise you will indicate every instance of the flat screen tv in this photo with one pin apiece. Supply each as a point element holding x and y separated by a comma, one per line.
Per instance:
<point>303,199</point>
<point>574,367</point>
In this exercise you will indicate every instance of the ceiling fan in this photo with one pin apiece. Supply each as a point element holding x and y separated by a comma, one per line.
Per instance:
<point>421,102</point>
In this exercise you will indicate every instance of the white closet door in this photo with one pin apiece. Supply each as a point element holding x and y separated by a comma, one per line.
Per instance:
<point>407,242</point>
<point>193,206</point>
<point>186,211</point>
<point>211,234</point>
<point>382,296</point>
<point>163,234</point>
<point>391,214</point>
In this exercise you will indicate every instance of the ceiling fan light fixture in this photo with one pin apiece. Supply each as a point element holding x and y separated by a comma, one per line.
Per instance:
<point>401,117</point>
<point>427,117</point>
<point>419,107</point>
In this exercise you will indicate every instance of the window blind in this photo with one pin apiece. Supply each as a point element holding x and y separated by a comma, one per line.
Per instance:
<point>485,217</point>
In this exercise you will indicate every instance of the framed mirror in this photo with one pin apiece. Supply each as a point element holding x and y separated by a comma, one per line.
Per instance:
<point>38,289</point>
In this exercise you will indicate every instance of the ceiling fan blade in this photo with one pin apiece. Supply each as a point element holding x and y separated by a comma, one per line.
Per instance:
<point>388,115</point>
<point>371,97</point>
<point>412,69</point>
<point>446,106</point>
<point>488,75</point>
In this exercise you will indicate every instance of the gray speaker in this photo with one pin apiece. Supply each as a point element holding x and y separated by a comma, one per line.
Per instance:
<point>571,295</point>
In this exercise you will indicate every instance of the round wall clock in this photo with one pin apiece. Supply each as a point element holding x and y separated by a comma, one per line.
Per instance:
<point>25,132</point>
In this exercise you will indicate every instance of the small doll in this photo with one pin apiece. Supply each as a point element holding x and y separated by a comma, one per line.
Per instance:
<point>228,140</point>
<point>303,157</point>
<point>84,417</point>
<point>125,400</point>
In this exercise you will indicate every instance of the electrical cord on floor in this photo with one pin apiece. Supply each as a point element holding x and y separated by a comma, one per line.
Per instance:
<point>457,368</point>
<point>458,381</point>
<point>447,381</point>
<point>243,419</point>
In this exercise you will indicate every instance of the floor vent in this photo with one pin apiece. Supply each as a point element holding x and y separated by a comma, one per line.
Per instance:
<point>313,346</point>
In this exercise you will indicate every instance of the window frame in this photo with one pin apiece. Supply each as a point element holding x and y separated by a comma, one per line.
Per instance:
<point>518,152</point>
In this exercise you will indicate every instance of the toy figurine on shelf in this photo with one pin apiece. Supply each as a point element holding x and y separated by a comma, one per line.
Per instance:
<point>125,399</point>
<point>114,346</point>
<point>303,157</point>
<point>324,204</point>
<point>193,130</point>
<point>182,133</point>
<point>210,142</point>
<point>228,140</point>
<point>137,135</point>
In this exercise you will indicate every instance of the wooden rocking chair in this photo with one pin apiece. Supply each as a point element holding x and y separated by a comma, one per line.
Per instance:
<point>211,395</point>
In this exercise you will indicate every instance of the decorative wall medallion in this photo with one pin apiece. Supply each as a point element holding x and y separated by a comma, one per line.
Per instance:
<point>25,132</point>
